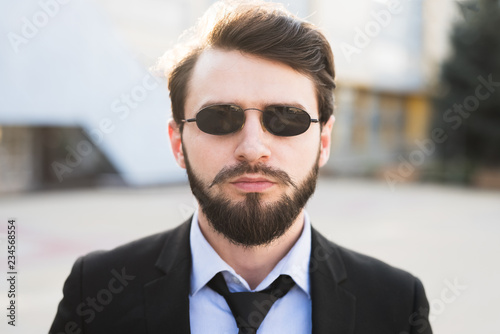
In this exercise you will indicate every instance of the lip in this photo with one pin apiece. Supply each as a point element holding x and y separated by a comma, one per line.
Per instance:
<point>252,184</point>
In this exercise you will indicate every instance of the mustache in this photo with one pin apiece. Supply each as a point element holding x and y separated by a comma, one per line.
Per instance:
<point>244,167</point>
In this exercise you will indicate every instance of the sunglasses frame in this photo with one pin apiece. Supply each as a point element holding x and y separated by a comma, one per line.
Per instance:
<point>311,120</point>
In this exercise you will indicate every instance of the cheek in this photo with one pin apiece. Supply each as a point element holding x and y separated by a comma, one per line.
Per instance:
<point>298,156</point>
<point>206,157</point>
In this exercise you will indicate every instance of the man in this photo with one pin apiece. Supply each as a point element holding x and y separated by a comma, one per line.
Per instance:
<point>252,102</point>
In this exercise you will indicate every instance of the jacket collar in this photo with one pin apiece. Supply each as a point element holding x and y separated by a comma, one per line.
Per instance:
<point>333,307</point>
<point>167,298</point>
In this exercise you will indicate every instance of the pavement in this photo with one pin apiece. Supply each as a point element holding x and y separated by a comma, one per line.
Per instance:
<point>446,236</point>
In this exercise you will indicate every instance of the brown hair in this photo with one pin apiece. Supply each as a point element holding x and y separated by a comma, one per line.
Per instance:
<point>262,29</point>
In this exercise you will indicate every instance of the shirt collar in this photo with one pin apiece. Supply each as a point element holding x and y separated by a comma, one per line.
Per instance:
<point>207,263</point>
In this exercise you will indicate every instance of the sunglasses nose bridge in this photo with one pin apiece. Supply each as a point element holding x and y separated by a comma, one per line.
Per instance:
<point>250,117</point>
<point>260,115</point>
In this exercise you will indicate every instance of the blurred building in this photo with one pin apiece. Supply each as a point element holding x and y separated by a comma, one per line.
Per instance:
<point>387,60</point>
<point>74,76</point>
<point>39,157</point>
<point>77,105</point>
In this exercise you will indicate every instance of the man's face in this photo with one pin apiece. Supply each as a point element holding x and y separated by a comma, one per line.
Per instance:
<point>252,173</point>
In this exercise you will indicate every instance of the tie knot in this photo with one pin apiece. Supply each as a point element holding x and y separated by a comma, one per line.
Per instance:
<point>250,308</point>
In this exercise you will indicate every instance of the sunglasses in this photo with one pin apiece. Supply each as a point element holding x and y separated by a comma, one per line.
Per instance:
<point>223,119</point>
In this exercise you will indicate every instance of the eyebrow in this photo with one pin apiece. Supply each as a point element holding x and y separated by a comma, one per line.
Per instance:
<point>264,105</point>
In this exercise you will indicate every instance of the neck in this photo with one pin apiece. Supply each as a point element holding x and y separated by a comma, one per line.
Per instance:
<point>256,262</point>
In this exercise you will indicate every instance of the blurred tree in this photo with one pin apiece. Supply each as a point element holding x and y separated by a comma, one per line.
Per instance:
<point>468,110</point>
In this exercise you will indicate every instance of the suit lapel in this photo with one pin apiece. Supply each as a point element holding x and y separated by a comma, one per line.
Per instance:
<point>333,308</point>
<point>167,297</point>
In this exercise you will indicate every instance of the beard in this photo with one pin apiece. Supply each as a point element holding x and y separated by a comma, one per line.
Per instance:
<point>251,222</point>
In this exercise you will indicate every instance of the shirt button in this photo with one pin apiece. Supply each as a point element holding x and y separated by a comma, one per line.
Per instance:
<point>236,280</point>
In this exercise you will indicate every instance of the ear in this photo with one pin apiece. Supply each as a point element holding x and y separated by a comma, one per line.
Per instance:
<point>174,134</point>
<point>325,141</point>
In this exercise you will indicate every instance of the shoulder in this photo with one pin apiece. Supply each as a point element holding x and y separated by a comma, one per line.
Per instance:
<point>93,295</point>
<point>363,273</point>
<point>387,298</point>
<point>138,256</point>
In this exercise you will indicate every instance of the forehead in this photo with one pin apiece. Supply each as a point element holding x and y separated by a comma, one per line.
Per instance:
<point>221,76</point>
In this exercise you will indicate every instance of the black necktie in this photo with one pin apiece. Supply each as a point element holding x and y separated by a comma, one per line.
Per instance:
<point>250,308</point>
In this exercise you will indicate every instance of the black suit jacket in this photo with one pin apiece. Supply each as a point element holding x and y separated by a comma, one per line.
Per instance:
<point>143,287</point>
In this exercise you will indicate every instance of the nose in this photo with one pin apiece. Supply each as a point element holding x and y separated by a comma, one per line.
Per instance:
<point>253,145</point>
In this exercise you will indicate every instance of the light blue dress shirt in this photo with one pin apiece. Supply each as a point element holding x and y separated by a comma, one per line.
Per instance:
<point>209,312</point>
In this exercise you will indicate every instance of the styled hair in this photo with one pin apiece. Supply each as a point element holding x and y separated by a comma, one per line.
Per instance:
<point>259,28</point>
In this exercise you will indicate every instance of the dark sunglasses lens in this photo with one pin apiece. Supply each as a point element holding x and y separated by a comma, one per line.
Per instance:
<point>286,121</point>
<point>220,119</point>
